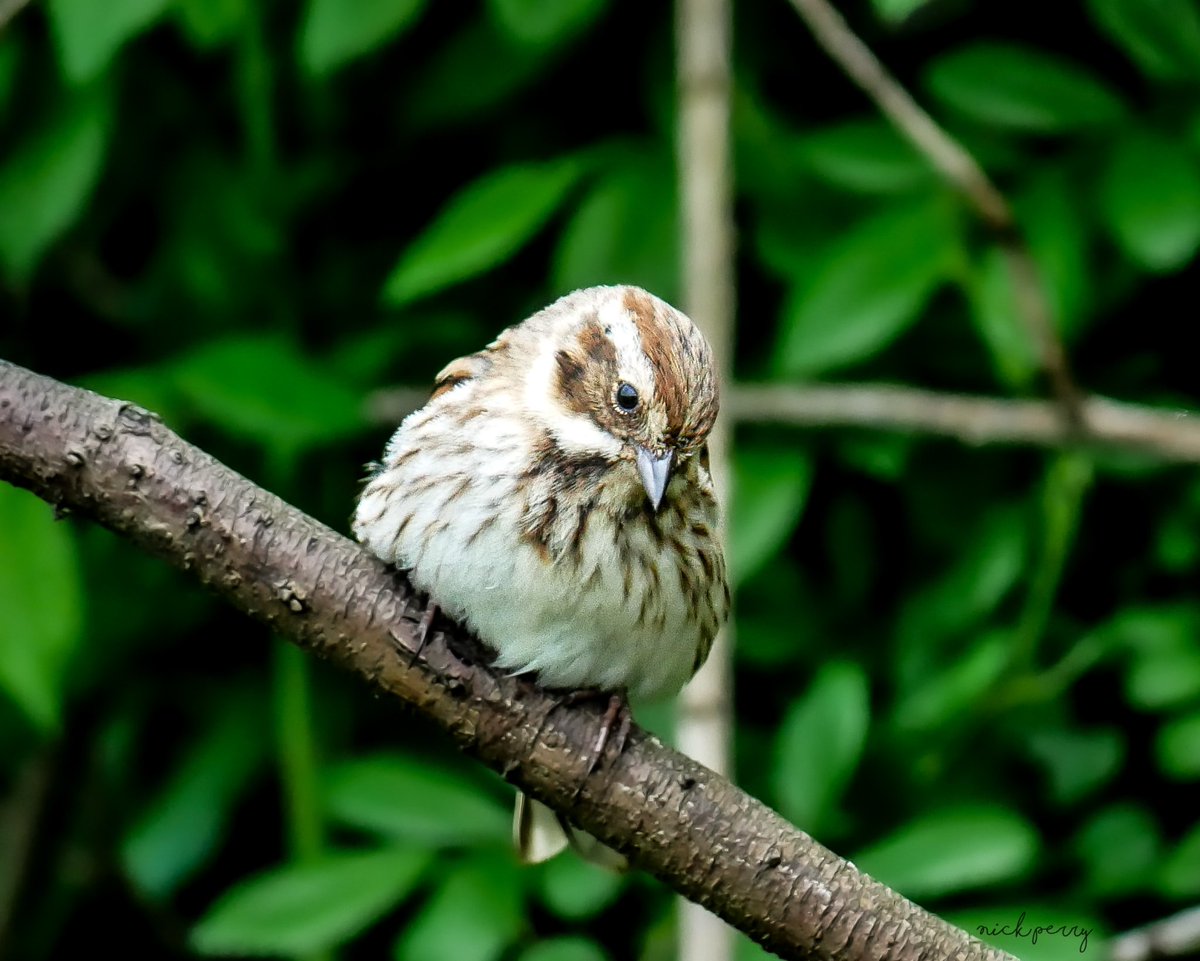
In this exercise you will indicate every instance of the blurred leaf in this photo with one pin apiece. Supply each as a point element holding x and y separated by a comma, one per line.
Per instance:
<point>939,698</point>
<point>149,387</point>
<point>1077,762</point>
<point>1021,88</point>
<point>999,324</point>
<point>481,226</point>
<point>41,606</point>
<point>881,455</point>
<point>297,909</point>
<point>1150,200</point>
<point>336,32</point>
<point>870,286</point>
<point>865,155</point>
<point>1033,932</point>
<point>411,800</point>
<point>474,915</point>
<point>1164,669</point>
<point>563,949</point>
<point>769,490</point>
<point>1055,219</point>
<point>1178,747</point>
<point>10,61</point>
<point>46,181</point>
<point>625,230</point>
<point>543,23</point>
<point>209,23</point>
<point>181,827</point>
<point>575,889</point>
<point>88,34</point>
<point>1120,848</point>
<point>1180,870</point>
<point>770,633</point>
<point>897,11</point>
<point>954,850</point>
<point>449,83</point>
<point>265,390</point>
<point>819,745</point>
<point>1161,36</point>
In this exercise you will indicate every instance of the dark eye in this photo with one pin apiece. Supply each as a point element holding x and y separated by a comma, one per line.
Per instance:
<point>627,398</point>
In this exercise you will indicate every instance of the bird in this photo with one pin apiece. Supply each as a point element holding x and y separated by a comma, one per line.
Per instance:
<point>554,496</point>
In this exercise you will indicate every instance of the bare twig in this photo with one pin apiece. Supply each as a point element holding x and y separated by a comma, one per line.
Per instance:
<point>1167,434</point>
<point>704,729</point>
<point>19,818</point>
<point>117,464</point>
<point>960,169</point>
<point>1170,435</point>
<point>9,9</point>
<point>1173,937</point>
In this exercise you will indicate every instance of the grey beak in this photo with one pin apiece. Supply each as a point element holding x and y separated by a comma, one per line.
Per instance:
<point>655,473</point>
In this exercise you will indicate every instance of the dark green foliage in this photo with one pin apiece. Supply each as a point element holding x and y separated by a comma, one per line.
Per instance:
<point>976,672</point>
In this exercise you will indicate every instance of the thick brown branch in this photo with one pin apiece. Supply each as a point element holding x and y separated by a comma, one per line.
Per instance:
<point>119,465</point>
<point>950,159</point>
<point>1166,434</point>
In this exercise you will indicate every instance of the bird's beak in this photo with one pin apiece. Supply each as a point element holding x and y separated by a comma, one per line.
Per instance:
<point>655,473</point>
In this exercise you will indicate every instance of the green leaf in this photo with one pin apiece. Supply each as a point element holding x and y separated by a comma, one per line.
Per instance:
<point>1033,932</point>
<point>265,390</point>
<point>1121,849</point>
<point>46,181</point>
<point>10,62</point>
<point>958,849</point>
<point>865,155</point>
<point>1165,677</point>
<point>209,23</point>
<point>1077,763</point>
<point>625,230</point>
<point>563,949</point>
<point>299,909</point>
<point>89,34</point>
<point>955,689</point>
<point>770,486</point>
<point>473,916</point>
<point>1161,36</point>
<point>1150,200</point>
<point>182,826</point>
<point>41,606</point>
<point>481,227</point>
<point>1022,89</point>
<point>575,889</point>
<point>450,88</point>
<point>870,286</point>
<point>820,743</point>
<point>1178,747</point>
<point>1180,870</point>
<point>897,11</point>
<point>544,23</point>
<point>335,32</point>
<point>997,320</point>
<point>410,800</point>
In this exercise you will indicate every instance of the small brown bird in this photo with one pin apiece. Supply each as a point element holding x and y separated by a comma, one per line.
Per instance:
<point>554,496</point>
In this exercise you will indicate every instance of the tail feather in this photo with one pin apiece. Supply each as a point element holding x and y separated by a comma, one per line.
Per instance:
<point>539,834</point>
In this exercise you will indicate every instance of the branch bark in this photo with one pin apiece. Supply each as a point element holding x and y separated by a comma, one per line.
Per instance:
<point>119,465</point>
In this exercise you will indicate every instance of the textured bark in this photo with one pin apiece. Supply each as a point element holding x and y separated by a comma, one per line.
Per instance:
<point>119,465</point>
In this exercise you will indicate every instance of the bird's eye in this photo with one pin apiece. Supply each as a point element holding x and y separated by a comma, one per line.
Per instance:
<point>627,398</point>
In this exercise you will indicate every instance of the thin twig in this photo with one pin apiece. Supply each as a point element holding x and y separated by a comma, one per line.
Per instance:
<point>704,728</point>
<point>1163,433</point>
<point>1171,435</point>
<point>960,169</point>
<point>1173,937</point>
<point>9,9</point>
<point>19,818</point>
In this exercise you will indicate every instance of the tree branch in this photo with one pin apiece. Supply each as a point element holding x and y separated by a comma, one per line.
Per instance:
<point>1173,937</point>
<point>1172,435</point>
<point>117,464</point>
<point>950,159</point>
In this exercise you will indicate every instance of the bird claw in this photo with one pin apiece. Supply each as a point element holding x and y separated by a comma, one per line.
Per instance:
<point>421,634</point>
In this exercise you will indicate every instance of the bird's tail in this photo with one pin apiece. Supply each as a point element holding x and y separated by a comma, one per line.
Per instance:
<point>539,834</point>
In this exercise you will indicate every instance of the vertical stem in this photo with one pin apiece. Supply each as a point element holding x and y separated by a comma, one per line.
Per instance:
<point>298,760</point>
<point>1067,480</point>
<point>703,32</point>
